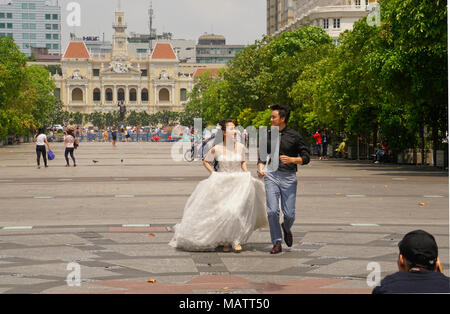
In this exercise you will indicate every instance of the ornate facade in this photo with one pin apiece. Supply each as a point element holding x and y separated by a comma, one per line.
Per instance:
<point>148,82</point>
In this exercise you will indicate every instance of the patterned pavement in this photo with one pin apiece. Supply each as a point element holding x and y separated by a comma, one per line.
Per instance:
<point>115,222</point>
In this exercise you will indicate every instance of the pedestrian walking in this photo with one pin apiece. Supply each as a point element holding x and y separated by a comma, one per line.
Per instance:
<point>41,140</point>
<point>282,182</point>
<point>69,141</point>
<point>114,136</point>
<point>318,144</point>
<point>325,142</point>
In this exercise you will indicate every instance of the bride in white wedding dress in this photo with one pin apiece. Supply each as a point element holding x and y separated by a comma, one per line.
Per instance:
<point>227,207</point>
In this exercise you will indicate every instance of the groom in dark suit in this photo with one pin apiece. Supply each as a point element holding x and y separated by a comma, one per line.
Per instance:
<point>281,183</point>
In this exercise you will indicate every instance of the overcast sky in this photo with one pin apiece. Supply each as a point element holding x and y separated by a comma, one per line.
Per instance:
<point>240,21</point>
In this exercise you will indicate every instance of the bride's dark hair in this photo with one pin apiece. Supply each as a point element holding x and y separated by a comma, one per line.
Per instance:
<point>224,122</point>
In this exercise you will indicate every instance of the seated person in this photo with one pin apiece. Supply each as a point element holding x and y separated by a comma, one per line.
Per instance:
<point>420,270</point>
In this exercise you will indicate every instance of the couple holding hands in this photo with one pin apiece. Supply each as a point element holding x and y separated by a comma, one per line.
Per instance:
<point>227,207</point>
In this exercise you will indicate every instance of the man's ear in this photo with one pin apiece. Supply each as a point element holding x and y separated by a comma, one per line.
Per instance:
<point>401,263</point>
<point>438,267</point>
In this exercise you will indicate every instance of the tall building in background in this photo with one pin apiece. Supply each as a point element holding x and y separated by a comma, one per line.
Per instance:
<point>32,23</point>
<point>279,14</point>
<point>213,49</point>
<point>334,16</point>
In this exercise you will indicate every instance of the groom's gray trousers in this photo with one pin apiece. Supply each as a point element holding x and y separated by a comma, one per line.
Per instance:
<point>280,185</point>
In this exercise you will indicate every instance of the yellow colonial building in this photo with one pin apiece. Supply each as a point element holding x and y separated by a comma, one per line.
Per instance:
<point>99,82</point>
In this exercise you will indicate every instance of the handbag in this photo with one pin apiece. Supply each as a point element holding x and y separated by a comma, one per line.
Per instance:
<point>50,155</point>
<point>76,143</point>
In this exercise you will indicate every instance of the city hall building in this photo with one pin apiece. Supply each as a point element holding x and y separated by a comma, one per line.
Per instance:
<point>151,82</point>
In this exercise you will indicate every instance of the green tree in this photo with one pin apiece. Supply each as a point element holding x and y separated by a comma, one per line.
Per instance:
<point>412,62</point>
<point>97,119</point>
<point>26,93</point>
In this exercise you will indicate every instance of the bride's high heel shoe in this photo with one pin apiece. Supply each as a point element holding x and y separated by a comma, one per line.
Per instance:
<point>237,248</point>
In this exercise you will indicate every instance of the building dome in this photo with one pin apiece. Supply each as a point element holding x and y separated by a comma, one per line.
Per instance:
<point>211,39</point>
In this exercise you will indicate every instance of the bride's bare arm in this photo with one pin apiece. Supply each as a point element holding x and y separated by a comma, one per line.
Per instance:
<point>208,166</point>
<point>244,166</point>
<point>206,163</point>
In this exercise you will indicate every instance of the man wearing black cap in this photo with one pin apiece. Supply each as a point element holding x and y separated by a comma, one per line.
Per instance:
<point>420,270</point>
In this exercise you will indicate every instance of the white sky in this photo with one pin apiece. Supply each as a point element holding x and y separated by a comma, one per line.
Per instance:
<point>240,21</point>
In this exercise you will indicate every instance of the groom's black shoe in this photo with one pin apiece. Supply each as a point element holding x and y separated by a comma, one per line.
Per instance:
<point>287,236</point>
<point>276,248</point>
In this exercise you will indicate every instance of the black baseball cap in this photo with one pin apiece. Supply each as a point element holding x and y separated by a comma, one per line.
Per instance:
<point>419,248</point>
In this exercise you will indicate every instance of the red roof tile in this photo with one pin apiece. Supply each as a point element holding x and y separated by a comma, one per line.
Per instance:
<point>76,50</point>
<point>163,51</point>
<point>212,72</point>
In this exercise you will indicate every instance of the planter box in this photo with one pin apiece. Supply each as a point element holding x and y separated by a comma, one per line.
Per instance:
<point>414,156</point>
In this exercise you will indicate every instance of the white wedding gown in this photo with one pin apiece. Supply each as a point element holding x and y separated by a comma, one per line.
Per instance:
<point>223,209</point>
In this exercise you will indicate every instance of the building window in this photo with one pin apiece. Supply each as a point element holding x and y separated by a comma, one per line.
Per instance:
<point>55,16</point>
<point>31,6</point>
<point>144,95</point>
<point>32,26</point>
<point>164,95</point>
<point>336,23</point>
<point>26,46</point>
<point>183,94</point>
<point>48,16</point>
<point>140,50</point>
<point>48,46</point>
<point>358,2</point>
<point>2,25</point>
<point>109,94</point>
<point>55,26</point>
<point>96,72</point>
<point>32,36</point>
<point>55,36</point>
<point>121,94</point>
<point>24,5</point>
<point>55,46</point>
<point>2,15</point>
<point>9,25</point>
<point>48,26</point>
<point>77,95</point>
<point>143,72</point>
<point>367,2</point>
<point>32,16</point>
<point>325,24</point>
<point>48,36</point>
<point>96,94</point>
<point>9,15</point>
<point>133,96</point>
<point>25,36</point>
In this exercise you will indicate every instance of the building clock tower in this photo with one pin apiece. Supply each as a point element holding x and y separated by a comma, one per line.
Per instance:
<point>120,38</point>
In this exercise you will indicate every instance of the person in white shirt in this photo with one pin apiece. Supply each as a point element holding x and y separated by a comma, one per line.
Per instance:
<point>41,140</point>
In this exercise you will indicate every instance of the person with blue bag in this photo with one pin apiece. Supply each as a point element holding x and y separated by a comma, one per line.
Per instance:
<point>41,140</point>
